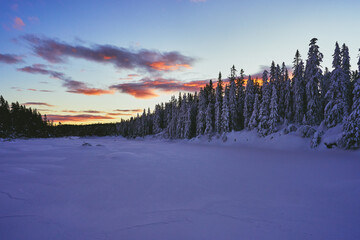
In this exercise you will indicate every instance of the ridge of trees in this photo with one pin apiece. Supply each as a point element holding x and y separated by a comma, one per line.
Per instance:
<point>307,99</point>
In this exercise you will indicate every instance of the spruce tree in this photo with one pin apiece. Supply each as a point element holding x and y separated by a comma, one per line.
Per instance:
<point>299,89</point>
<point>232,101</point>
<point>218,104</point>
<point>313,76</point>
<point>264,112</point>
<point>225,115</point>
<point>336,108</point>
<point>274,111</point>
<point>202,107</point>
<point>254,120</point>
<point>249,101</point>
<point>351,129</point>
<point>240,99</point>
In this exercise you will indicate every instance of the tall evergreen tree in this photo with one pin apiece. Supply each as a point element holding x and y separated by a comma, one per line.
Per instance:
<point>351,128</point>
<point>299,89</point>
<point>264,113</point>
<point>218,104</point>
<point>336,108</point>
<point>234,116</point>
<point>225,115</point>
<point>240,98</point>
<point>274,111</point>
<point>202,107</point>
<point>313,76</point>
<point>345,83</point>
<point>249,101</point>
<point>254,120</point>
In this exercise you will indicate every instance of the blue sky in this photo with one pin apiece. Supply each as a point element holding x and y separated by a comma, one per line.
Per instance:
<point>173,45</point>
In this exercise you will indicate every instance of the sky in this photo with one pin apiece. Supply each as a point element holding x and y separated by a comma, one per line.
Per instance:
<point>99,61</point>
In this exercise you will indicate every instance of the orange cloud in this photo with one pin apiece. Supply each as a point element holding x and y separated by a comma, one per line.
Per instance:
<point>109,57</point>
<point>91,91</point>
<point>162,66</point>
<point>18,23</point>
<point>146,87</point>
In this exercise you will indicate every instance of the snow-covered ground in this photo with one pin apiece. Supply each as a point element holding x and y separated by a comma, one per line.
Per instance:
<point>113,188</point>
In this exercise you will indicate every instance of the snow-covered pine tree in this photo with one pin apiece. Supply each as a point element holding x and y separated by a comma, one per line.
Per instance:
<point>313,75</point>
<point>182,117</point>
<point>149,119</point>
<point>225,115</point>
<point>264,111</point>
<point>249,101</point>
<point>157,119</point>
<point>351,129</point>
<point>209,119</point>
<point>274,111</point>
<point>202,107</point>
<point>218,104</point>
<point>272,73</point>
<point>299,89</point>
<point>345,84</point>
<point>240,98</point>
<point>254,120</point>
<point>288,101</point>
<point>232,101</point>
<point>336,108</point>
<point>282,90</point>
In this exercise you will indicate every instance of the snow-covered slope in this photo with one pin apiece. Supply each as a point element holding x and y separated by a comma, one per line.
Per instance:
<point>112,188</point>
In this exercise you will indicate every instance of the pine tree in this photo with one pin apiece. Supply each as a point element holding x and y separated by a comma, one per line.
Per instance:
<point>288,101</point>
<point>345,83</point>
<point>218,104</point>
<point>336,108</point>
<point>351,128</point>
<point>299,89</point>
<point>254,120</point>
<point>225,115</point>
<point>282,90</point>
<point>240,99</point>
<point>209,119</point>
<point>249,101</point>
<point>274,111</point>
<point>157,119</point>
<point>313,76</point>
<point>232,101</point>
<point>200,127</point>
<point>264,112</point>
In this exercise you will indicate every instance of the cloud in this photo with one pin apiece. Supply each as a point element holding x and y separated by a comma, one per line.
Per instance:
<point>77,117</point>
<point>122,58</point>
<point>10,58</point>
<point>71,85</point>
<point>120,114</point>
<point>146,87</point>
<point>18,23</point>
<point>197,1</point>
<point>38,104</point>
<point>128,110</point>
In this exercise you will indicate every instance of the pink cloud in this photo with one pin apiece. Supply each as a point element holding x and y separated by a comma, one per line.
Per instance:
<point>18,23</point>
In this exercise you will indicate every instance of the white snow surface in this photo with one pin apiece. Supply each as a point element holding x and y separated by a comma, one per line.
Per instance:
<point>113,188</point>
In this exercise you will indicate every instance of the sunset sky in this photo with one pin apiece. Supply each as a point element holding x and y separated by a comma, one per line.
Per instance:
<point>100,61</point>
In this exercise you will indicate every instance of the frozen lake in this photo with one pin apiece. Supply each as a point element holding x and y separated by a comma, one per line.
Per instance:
<point>112,188</point>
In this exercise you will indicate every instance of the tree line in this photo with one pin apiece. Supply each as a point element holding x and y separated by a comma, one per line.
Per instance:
<point>19,121</point>
<point>310,101</point>
<point>310,98</point>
